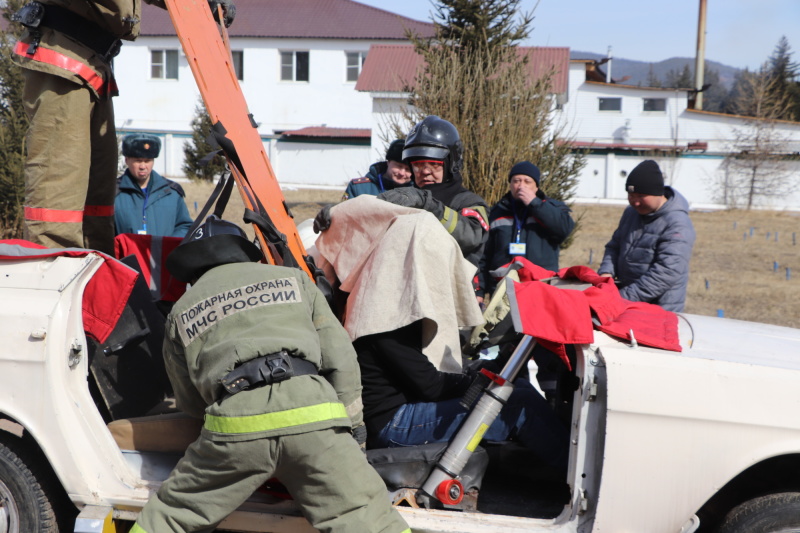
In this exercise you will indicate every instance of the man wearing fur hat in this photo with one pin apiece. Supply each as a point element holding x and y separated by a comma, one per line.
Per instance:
<point>525,222</point>
<point>649,253</point>
<point>147,203</point>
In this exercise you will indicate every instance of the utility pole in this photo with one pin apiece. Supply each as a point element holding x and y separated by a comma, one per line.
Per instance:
<point>699,67</point>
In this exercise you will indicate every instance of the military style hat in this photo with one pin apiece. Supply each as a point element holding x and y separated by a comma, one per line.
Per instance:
<point>142,145</point>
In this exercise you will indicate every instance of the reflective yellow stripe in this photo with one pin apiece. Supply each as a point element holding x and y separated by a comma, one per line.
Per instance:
<point>137,529</point>
<point>279,420</point>
<point>482,210</point>
<point>449,220</point>
<point>476,438</point>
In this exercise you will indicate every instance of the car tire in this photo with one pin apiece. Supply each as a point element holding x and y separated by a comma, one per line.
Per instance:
<point>774,513</point>
<point>26,504</point>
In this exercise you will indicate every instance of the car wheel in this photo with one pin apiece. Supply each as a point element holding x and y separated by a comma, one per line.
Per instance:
<point>25,506</point>
<point>775,513</point>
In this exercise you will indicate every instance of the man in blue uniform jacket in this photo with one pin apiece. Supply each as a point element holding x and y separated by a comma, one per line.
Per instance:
<point>146,202</point>
<point>383,175</point>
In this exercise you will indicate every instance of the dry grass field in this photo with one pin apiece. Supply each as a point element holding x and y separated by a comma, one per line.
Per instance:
<point>732,272</point>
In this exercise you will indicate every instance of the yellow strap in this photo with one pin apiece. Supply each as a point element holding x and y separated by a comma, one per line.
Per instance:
<point>449,220</point>
<point>278,420</point>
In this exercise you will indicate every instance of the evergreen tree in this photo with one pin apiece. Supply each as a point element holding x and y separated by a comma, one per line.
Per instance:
<point>652,79</point>
<point>475,24</point>
<point>783,73</point>
<point>198,148</point>
<point>476,78</point>
<point>680,80</point>
<point>13,126</point>
<point>714,98</point>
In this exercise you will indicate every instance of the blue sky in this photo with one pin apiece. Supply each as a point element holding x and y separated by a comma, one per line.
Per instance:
<point>739,33</point>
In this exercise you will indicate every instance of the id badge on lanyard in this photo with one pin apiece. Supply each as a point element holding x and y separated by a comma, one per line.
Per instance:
<point>516,247</point>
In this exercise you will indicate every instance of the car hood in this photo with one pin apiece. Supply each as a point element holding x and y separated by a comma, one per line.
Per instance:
<point>739,341</point>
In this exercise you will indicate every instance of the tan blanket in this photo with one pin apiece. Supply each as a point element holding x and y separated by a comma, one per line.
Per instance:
<point>400,266</point>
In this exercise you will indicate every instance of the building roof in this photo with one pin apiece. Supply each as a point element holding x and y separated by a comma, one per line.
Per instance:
<point>309,19</point>
<point>592,145</point>
<point>332,133</point>
<point>393,67</point>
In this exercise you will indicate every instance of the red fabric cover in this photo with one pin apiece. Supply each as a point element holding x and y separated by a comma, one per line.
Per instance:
<point>105,294</point>
<point>143,247</point>
<point>555,316</point>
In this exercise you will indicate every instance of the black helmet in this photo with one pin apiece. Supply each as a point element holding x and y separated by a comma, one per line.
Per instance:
<point>435,138</point>
<point>215,242</point>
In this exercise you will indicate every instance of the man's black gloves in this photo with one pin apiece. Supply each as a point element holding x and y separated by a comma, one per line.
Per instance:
<point>416,198</point>
<point>360,434</point>
<point>323,219</point>
<point>228,10</point>
<point>473,368</point>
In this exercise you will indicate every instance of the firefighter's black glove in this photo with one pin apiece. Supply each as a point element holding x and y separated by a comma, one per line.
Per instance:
<point>360,434</point>
<point>323,219</point>
<point>228,10</point>
<point>413,197</point>
<point>473,368</point>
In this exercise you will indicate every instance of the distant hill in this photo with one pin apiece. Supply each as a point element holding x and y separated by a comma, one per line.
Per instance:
<point>639,70</point>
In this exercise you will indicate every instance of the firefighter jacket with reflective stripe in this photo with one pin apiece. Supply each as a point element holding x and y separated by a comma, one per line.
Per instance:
<point>240,311</point>
<point>66,57</point>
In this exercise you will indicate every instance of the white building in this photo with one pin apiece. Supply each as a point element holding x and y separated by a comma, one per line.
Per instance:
<point>297,61</point>
<point>617,126</point>
<point>622,125</point>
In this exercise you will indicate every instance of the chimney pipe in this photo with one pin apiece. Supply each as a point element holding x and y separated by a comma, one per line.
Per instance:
<point>608,70</point>
<point>699,66</point>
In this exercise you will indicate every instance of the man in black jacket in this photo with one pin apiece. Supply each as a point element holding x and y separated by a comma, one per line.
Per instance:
<point>526,223</point>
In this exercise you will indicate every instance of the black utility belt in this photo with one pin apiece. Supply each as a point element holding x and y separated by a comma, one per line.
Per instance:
<point>265,370</point>
<point>35,15</point>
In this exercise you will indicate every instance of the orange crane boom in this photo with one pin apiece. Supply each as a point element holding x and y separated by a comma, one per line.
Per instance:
<point>205,45</point>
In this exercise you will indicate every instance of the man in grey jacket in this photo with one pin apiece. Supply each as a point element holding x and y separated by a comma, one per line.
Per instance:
<point>649,253</point>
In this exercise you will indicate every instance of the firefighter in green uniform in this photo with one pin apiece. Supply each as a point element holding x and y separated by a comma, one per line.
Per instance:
<point>71,166</point>
<point>257,352</point>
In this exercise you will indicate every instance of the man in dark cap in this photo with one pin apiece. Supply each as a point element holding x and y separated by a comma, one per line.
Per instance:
<point>526,223</point>
<point>383,175</point>
<point>649,253</point>
<point>147,203</point>
<point>255,351</point>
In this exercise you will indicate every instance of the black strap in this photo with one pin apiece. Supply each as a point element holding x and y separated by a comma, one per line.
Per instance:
<point>265,370</point>
<point>260,217</point>
<point>223,191</point>
<point>275,239</point>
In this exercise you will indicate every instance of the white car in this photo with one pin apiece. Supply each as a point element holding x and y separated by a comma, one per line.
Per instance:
<point>707,439</point>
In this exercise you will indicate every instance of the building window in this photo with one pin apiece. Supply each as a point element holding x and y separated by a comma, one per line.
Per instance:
<point>355,60</point>
<point>655,104</point>
<point>238,64</point>
<point>610,104</point>
<point>164,64</point>
<point>294,66</point>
